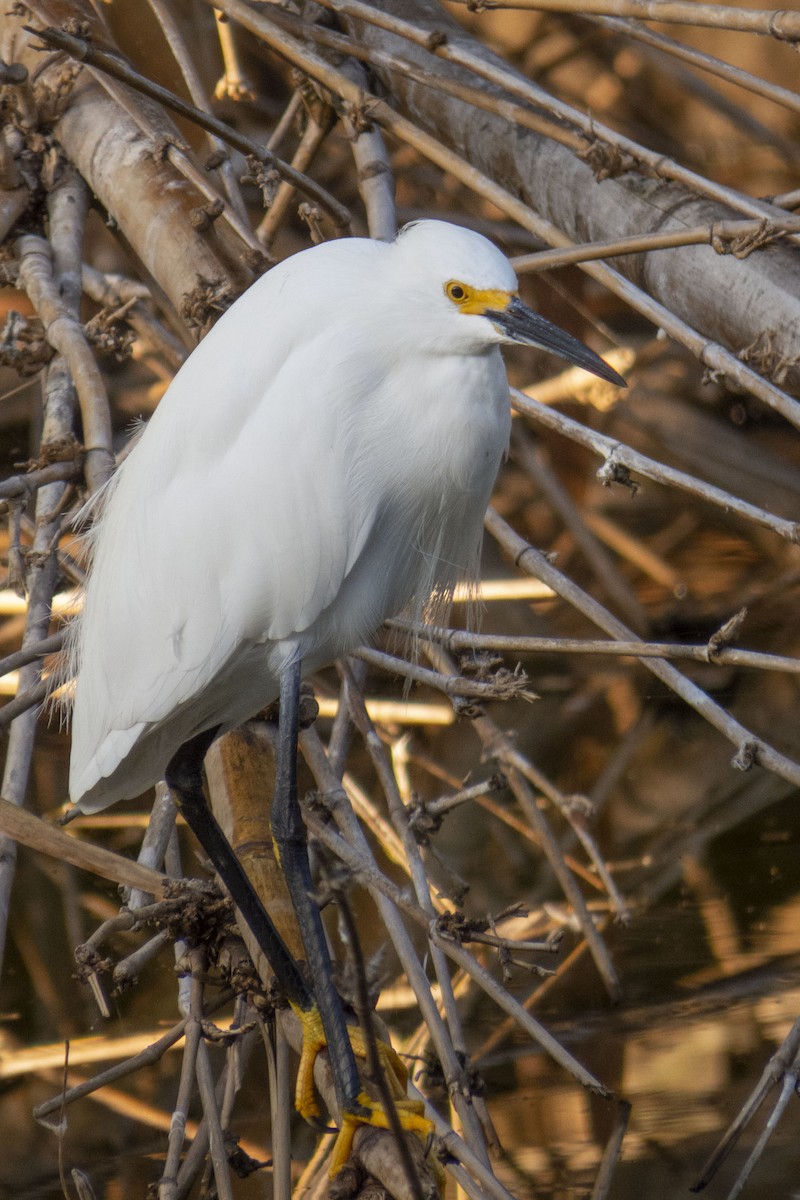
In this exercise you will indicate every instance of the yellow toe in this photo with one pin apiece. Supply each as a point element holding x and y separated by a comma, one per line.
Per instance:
<point>410,1112</point>
<point>305,1100</point>
<point>366,1111</point>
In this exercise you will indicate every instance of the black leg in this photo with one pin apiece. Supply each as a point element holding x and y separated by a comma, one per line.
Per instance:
<point>289,834</point>
<point>184,775</point>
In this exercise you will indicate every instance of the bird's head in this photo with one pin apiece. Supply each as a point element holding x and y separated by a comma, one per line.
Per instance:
<point>465,276</point>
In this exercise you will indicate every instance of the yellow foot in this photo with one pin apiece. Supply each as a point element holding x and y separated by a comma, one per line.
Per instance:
<point>410,1113</point>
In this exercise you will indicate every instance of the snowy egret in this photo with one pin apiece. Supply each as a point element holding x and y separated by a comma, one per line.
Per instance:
<point>322,461</point>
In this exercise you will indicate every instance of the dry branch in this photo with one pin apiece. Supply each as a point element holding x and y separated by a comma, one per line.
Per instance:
<point>751,749</point>
<point>146,197</point>
<point>617,455</point>
<point>39,835</point>
<point>109,64</point>
<point>777,22</point>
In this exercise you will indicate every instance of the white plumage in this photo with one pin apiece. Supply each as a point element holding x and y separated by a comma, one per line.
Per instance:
<point>323,458</point>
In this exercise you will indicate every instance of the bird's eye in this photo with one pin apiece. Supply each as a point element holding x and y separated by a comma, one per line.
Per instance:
<point>456,291</point>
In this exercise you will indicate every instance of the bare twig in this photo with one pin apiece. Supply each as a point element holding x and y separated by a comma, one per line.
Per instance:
<point>144,1058</point>
<point>205,1081</point>
<point>781,1069</point>
<point>376,1073</point>
<point>32,698</point>
<point>85,52</point>
<point>180,51</point>
<point>21,658</point>
<point>32,831</point>
<point>705,62</point>
<point>777,23</point>
<point>726,237</point>
<point>617,454</point>
<point>65,334</point>
<point>504,685</point>
<point>751,749</point>
<point>318,126</point>
<point>399,817</point>
<point>19,486</point>
<point>518,770</point>
<point>459,639</point>
<point>358,859</point>
<point>177,1131</point>
<point>277,1051</point>
<point>602,564</point>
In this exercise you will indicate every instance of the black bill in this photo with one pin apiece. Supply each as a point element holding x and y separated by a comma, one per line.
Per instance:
<point>522,324</point>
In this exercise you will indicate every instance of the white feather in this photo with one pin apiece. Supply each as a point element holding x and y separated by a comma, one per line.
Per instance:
<point>323,458</point>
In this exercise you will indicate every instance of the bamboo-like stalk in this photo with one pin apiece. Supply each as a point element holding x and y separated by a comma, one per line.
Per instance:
<point>241,778</point>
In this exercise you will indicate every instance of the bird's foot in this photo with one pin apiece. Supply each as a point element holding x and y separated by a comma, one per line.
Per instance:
<point>410,1113</point>
<point>365,1111</point>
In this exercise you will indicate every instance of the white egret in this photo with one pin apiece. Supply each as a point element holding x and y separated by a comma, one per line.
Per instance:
<point>322,460</point>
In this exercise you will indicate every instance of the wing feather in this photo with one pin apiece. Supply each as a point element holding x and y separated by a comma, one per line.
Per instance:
<point>232,523</point>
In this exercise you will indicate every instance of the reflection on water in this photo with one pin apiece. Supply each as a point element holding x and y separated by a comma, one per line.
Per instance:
<point>712,987</point>
<point>685,1077</point>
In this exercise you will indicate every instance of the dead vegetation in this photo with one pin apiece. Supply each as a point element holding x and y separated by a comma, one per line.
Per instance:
<point>518,839</point>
